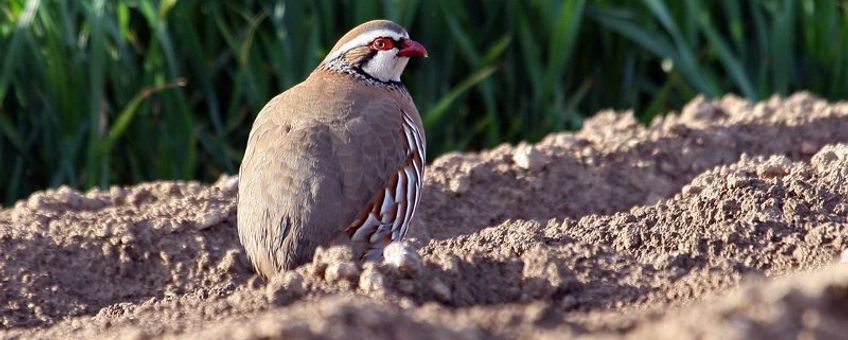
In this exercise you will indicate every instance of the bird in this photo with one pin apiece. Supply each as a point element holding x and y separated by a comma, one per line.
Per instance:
<point>337,159</point>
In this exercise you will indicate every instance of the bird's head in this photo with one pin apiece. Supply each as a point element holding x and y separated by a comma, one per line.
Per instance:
<point>377,49</point>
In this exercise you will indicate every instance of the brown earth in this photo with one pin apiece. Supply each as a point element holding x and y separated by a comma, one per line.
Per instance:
<point>725,221</point>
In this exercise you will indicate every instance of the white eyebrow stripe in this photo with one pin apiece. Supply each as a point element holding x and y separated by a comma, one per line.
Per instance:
<point>364,39</point>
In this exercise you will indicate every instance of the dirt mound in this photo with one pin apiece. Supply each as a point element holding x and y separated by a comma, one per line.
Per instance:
<point>616,230</point>
<point>614,164</point>
<point>804,306</point>
<point>65,253</point>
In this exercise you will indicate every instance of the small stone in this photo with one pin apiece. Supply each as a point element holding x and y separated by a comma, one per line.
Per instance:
<point>371,280</point>
<point>630,239</point>
<point>402,257</point>
<point>229,263</point>
<point>825,156</point>
<point>68,196</point>
<point>406,303</point>
<point>829,154</point>
<point>528,157</point>
<point>777,166</point>
<point>459,184</point>
<point>542,273</point>
<point>334,264</point>
<point>127,239</point>
<point>341,271</point>
<point>285,287</point>
<point>227,184</point>
<point>37,201</point>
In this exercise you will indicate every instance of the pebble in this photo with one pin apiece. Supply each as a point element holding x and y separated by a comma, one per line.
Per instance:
<point>528,157</point>
<point>829,154</point>
<point>285,287</point>
<point>229,263</point>
<point>402,257</point>
<point>777,166</point>
<point>371,280</point>
<point>227,184</point>
<point>341,271</point>
<point>459,184</point>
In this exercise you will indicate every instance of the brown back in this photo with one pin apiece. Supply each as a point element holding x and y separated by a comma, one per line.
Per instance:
<point>317,154</point>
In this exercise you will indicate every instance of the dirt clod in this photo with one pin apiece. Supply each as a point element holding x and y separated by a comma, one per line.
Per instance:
<point>401,257</point>
<point>285,287</point>
<point>529,158</point>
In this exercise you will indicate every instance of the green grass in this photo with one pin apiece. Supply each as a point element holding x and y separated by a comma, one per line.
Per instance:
<point>97,92</point>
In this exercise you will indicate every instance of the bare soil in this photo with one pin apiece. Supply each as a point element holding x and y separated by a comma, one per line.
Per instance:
<point>726,220</point>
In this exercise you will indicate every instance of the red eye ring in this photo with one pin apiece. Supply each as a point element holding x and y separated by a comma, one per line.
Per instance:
<point>382,44</point>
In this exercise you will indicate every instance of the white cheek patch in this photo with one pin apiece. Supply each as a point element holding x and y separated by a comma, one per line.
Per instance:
<point>386,65</point>
<point>364,39</point>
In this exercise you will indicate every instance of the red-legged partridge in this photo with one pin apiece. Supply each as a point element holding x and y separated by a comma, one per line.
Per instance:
<point>336,159</point>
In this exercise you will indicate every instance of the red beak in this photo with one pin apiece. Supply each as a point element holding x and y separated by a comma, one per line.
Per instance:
<point>411,48</point>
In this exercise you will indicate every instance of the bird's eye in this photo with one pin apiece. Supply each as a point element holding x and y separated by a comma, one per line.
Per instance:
<point>382,44</point>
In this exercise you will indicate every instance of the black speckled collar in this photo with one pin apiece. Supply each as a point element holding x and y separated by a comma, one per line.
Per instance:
<point>339,65</point>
